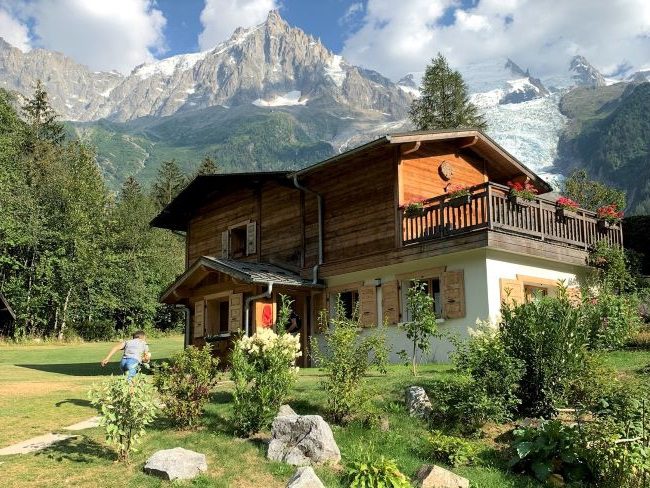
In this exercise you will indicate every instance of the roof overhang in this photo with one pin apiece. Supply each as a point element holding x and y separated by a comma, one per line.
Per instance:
<point>241,271</point>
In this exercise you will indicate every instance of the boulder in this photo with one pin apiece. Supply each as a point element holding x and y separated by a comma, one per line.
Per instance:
<point>417,402</point>
<point>302,440</point>
<point>285,410</point>
<point>304,477</point>
<point>176,464</point>
<point>431,476</point>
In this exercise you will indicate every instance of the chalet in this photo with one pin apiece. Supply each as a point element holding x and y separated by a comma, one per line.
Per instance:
<point>7,318</point>
<point>343,227</point>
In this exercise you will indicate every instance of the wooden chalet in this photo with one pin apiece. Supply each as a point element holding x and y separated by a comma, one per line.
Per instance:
<point>344,227</point>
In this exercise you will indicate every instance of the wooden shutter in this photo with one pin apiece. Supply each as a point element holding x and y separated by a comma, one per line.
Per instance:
<point>453,294</point>
<point>251,238</point>
<point>225,241</point>
<point>390,302</point>
<point>512,290</point>
<point>368,306</point>
<point>199,318</point>
<point>235,312</point>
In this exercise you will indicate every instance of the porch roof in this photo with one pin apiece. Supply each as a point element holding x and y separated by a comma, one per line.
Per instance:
<point>247,272</point>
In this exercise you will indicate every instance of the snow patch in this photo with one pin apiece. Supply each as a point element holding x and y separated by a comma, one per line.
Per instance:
<point>167,67</point>
<point>521,85</point>
<point>487,99</point>
<point>288,99</point>
<point>335,71</point>
<point>410,90</point>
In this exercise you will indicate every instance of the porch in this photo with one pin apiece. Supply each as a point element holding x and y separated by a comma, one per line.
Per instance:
<point>489,208</point>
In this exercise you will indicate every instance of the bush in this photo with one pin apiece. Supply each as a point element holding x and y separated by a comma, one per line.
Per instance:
<point>96,330</point>
<point>423,325</point>
<point>611,319</point>
<point>494,372</point>
<point>263,372</point>
<point>367,472</point>
<point>345,359</point>
<point>126,409</point>
<point>185,384</point>
<point>450,450</point>
<point>549,337</point>
<point>641,339</point>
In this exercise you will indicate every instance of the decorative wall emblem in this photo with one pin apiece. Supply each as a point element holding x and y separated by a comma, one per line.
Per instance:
<point>446,170</point>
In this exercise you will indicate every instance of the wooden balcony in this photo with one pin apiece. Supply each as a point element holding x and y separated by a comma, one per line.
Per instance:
<point>490,209</point>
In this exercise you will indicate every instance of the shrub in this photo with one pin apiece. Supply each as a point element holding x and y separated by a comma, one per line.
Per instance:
<point>548,336</point>
<point>185,384</point>
<point>96,330</point>
<point>422,325</point>
<point>611,319</point>
<point>368,472</point>
<point>263,372</point>
<point>126,408</point>
<point>345,359</point>
<point>494,372</point>
<point>641,339</point>
<point>450,450</point>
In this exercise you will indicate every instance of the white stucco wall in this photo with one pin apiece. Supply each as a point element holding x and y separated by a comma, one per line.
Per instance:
<point>476,298</point>
<point>501,264</point>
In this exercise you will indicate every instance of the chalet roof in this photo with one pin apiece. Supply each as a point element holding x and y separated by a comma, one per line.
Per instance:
<point>5,307</point>
<point>203,188</point>
<point>247,272</point>
<point>476,141</point>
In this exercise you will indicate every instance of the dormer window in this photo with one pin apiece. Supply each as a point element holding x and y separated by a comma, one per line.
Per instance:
<point>239,240</point>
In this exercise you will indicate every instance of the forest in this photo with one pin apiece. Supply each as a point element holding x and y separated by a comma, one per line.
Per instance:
<point>76,259</point>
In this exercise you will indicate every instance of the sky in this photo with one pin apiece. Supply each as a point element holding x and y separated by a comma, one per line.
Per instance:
<point>394,37</point>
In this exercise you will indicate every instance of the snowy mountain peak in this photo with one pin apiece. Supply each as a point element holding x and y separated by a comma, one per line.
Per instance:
<point>515,69</point>
<point>408,81</point>
<point>584,74</point>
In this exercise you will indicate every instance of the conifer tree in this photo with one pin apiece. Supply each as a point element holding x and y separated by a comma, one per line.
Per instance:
<point>41,119</point>
<point>208,166</point>
<point>169,182</point>
<point>444,102</point>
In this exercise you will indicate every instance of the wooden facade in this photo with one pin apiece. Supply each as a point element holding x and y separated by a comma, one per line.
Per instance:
<point>353,206</point>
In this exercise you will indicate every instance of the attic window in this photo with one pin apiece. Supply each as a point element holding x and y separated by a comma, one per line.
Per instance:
<point>238,242</point>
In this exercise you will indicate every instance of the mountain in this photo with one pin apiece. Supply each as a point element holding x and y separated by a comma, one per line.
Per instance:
<point>584,74</point>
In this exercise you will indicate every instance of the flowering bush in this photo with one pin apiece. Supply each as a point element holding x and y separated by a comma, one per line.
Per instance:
<point>567,203</point>
<point>263,370</point>
<point>610,213</point>
<point>456,191</point>
<point>526,190</point>
<point>412,209</point>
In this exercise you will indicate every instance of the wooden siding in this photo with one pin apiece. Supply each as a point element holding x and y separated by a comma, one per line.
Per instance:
<point>281,225</point>
<point>420,178</point>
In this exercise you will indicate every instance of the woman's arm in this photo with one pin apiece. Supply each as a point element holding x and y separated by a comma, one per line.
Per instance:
<point>117,347</point>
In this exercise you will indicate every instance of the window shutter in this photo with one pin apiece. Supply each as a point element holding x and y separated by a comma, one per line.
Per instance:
<point>368,306</point>
<point>453,294</point>
<point>251,238</point>
<point>512,290</point>
<point>235,312</point>
<point>225,241</point>
<point>199,318</point>
<point>390,302</point>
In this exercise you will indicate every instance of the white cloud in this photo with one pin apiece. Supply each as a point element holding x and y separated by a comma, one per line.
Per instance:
<point>13,30</point>
<point>351,13</point>
<point>102,34</point>
<point>540,34</point>
<point>220,18</point>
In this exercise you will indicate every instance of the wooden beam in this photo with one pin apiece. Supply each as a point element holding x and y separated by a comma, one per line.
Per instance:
<point>410,149</point>
<point>469,144</point>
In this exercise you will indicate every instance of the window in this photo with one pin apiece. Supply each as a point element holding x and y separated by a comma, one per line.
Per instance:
<point>534,293</point>
<point>431,287</point>
<point>238,242</point>
<point>349,299</point>
<point>216,316</point>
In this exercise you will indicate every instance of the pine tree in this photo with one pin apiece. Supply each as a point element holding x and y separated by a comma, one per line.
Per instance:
<point>170,181</point>
<point>208,166</point>
<point>41,119</point>
<point>444,102</point>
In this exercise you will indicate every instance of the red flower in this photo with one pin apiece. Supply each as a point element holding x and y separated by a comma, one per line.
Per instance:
<point>610,213</point>
<point>566,202</point>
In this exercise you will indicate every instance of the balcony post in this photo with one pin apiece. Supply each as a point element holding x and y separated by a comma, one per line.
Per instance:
<point>489,207</point>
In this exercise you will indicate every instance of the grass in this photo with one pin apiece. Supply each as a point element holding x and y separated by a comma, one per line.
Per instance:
<point>44,387</point>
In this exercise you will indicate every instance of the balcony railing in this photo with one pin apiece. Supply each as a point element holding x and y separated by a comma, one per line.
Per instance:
<point>490,208</point>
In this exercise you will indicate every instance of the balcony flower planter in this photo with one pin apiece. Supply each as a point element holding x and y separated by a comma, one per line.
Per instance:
<point>565,213</point>
<point>459,201</point>
<point>608,217</point>
<point>518,200</point>
<point>415,209</point>
<point>521,194</point>
<point>604,225</point>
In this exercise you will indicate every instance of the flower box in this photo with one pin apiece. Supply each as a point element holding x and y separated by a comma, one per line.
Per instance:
<point>518,200</point>
<point>605,225</point>
<point>565,213</point>
<point>459,201</point>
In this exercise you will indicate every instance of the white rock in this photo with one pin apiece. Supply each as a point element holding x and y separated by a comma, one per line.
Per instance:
<point>304,477</point>
<point>431,476</point>
<point>285,410</point>
<point>417,402</point>
<point>302,440</point>
<point>176,464</point>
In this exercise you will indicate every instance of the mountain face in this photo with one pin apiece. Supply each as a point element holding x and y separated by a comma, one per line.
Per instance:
<point>584,74</point>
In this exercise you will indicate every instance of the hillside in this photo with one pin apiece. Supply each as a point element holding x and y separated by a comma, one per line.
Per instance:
<point>607,134</point>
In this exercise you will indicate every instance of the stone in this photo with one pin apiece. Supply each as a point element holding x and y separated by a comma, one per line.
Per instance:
<point>34,444</point>
<point>176,464</point>
<point>417,402</point>
<point>304,477</point>
<point>302,440</point>
<point>285,410</point>
<point>431,476</point>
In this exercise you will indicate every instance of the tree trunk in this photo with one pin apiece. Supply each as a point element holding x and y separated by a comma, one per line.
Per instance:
<point>65,311</point>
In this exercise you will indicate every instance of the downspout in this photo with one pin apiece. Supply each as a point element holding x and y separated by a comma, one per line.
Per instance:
<point>319,199</point>
<point>247,305</point>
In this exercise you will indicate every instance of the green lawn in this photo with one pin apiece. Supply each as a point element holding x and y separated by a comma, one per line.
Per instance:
<point>44,388</point>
